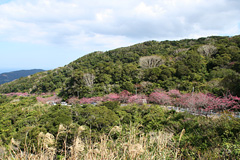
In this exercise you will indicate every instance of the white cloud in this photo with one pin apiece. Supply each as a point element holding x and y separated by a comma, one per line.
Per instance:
<point>100,25</point>
<point>147,11</point>
<point>104,16</point>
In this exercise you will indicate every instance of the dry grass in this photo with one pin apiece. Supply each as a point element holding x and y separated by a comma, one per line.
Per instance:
<point>129,144</point>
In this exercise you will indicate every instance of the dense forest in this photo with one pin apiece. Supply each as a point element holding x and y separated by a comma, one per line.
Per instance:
<point>118,104</point>
<point>30,129</point>
<point>10,76</point>
<point>210,64</point>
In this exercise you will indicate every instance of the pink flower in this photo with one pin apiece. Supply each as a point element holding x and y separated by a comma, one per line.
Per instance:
<point>174,93</point>
<point>160,98</point>
<point>138,99</point>
<point>124,96</point>
<point>112,97</point>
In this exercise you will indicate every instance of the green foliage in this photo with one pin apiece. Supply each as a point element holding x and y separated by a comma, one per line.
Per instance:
<point>236,67</point>
<point>112,105</point>
<point>220,73</point>
<point>232,83</point>
<point>100,118</point>
<point>22,118</point>
<point>55,116</point>
<point>3,99</point>
<point>119,69</point>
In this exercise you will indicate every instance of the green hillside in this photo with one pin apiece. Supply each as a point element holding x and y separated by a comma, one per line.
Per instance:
<point>33,130</point>
<point>101,120</point>
<point>206,64</point>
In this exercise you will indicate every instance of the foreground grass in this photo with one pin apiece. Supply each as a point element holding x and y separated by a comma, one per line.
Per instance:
<point>31,130</point>
<point>118,144</point>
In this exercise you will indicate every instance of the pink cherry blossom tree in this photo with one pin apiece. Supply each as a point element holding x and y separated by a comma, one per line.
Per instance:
<point>160,98</point>
<point>111,97</point>
<point>138,99</point>
<point>124,96</point>
<point>54,98</point>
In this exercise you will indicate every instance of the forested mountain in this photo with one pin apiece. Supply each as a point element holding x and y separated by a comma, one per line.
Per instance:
<point>210,64</point>
<point>10,76</point>
<point>103,119</point>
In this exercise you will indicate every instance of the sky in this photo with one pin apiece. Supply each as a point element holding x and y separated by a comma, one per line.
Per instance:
<point>46,34</point>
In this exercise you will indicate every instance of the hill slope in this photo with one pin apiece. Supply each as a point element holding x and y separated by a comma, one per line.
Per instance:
<point>206,64</point>
<point>10,76</point>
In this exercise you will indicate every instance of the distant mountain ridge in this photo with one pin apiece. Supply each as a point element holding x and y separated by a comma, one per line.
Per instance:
<point>10,76</point>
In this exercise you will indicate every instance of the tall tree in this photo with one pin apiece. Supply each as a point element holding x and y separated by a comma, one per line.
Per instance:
<point>151,61</point>
<point>207,50</point>
<point>88,78</point>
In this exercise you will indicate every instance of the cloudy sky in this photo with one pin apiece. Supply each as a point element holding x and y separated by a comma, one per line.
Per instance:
<point>48,34</point>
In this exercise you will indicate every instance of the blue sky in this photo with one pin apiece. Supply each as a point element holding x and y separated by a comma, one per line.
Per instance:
<point>47,34</point>
<point>4,1</point>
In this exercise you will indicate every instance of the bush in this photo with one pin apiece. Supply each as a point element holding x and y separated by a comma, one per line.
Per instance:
<point>138,99</point>
<point>100,118</point>
<point>56,115</point>
<point>160,98</point>
<point>112,105</point>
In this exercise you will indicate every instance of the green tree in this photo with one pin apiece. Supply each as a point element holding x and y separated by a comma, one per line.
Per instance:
<point>100,118</point>
<point>232,83</point>
<point>55,116</point>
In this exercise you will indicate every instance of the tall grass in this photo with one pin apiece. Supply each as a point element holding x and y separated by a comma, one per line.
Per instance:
<point>120,144</point>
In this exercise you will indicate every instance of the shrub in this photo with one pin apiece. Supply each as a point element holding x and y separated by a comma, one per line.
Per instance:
<point>174,93</point>
<point>111,97</point>
<point>138,99</point>
<point>99,118</point>
<point>124,96</point>
<point>112,105</point>
<point>160,98</point>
